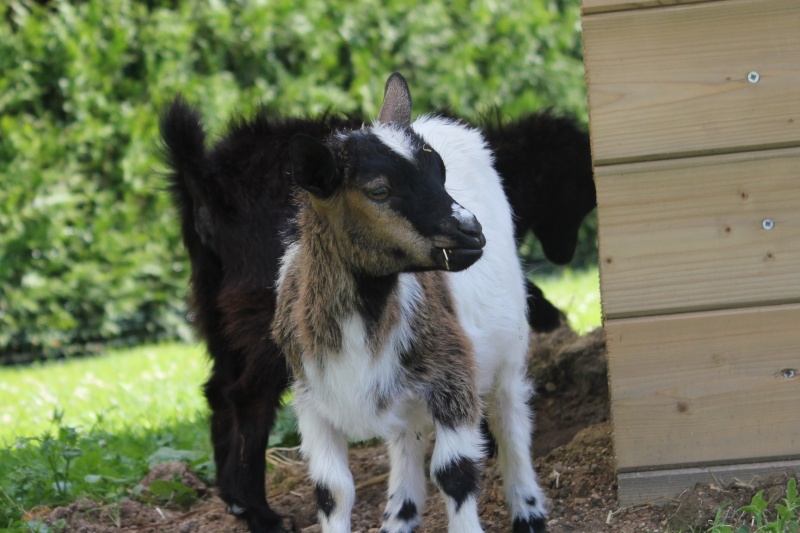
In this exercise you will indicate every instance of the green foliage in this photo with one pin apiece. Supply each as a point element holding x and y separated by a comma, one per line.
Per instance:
<point>172,492</point>
<point>55,447</point>
<point>757,517</point>
<point>285,431</point>
<point>576,292</point>
<point>90,248</point>
<point>65,463</point>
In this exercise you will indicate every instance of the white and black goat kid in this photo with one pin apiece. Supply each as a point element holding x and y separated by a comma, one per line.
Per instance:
<point>392,324</point>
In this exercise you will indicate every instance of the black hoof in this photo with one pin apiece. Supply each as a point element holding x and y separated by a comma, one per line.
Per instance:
<point>534,524</point>
<point>263,520</point>
<point>272,523</point>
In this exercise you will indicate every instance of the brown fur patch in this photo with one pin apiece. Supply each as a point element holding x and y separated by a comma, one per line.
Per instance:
<point>442,356</point>
<point>320,289</point>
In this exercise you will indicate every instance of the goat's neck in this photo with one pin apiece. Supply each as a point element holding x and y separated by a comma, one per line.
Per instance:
<point>333,288</point>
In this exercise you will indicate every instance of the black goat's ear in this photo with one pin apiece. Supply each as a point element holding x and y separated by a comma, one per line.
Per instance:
<point>313,166</point>
<point>396,108</point>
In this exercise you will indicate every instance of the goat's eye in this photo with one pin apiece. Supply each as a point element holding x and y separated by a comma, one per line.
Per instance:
<point>379,193</point>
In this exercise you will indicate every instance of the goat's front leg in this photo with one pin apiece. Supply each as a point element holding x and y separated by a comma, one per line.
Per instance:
<point>325,449</point>
<point>456,470</point>
<point>407,484</point>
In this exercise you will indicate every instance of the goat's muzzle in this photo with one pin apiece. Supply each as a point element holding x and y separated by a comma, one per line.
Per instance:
<point>460,245</point>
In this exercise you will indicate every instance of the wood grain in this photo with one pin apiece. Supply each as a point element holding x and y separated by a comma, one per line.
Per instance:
<point>672,82</point>
<point>706,388</point>
<point>688,235</point>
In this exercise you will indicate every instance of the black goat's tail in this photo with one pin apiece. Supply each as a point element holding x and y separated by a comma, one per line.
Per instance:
<point>184,152</point>
<point>183,141</point>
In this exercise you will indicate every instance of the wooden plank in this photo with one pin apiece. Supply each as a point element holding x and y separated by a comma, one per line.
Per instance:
<point>673,82</point>
<point>660,486</point>
<point>589,7</point>
<point>705,388</point>
<point>688,235</point>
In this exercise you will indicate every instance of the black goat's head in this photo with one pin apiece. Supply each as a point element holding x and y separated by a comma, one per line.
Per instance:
<point>381,190</point>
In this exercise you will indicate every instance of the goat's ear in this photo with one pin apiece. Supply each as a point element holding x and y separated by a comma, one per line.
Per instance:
<point>396,108</point>
<point>313,166</point>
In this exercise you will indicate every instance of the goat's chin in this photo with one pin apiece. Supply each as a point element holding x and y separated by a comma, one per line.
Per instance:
<point>457,259</point>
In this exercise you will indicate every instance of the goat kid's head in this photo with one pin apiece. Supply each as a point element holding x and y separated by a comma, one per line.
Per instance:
<point>381,190</point>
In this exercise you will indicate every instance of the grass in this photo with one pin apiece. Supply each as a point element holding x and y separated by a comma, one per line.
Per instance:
<point>759,516</point>
<point>93,426</point>
<point>144,388</point>
<point>577,294</point>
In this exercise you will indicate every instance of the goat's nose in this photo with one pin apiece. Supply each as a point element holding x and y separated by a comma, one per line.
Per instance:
<point>471,227</point>
<point>467,223</point>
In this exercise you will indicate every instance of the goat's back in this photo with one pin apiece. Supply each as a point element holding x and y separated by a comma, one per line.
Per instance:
<point>490,295</point>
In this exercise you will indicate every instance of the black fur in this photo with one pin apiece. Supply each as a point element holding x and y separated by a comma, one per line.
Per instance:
<point>408,511</point>
<point>244,186</point>
<point>546,164</point>
<point>459,480</point>
<point>235,200</point>
<point>325,501</point>
<point>532,524</point>
<point>375,294</point>
<point>543,316</point>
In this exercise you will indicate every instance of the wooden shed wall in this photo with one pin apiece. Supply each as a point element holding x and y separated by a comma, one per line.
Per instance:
<point>695,123</point>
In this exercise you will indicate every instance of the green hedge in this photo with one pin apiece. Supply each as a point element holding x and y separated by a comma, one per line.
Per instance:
<point>91,253</point>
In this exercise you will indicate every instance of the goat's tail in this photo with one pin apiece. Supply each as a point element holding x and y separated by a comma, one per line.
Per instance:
<point>183,139</point>
<point>184,153</point>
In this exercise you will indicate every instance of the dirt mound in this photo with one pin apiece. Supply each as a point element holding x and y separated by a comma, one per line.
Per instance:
<point>574,460</point>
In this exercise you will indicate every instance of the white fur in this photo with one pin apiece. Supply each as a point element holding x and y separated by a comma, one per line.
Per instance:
<point>512,426</point>
<point>361,375</point>
<point>490,295</point>
<point>325,448</point>
<point>396,139</point>
<point>407,480</point>
<point>461,214</point>
<point>452,444</point>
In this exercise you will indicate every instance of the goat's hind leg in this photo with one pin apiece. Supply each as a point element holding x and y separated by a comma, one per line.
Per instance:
<point>242,413</point>
<point>511,423</point>
<point>254,420</point>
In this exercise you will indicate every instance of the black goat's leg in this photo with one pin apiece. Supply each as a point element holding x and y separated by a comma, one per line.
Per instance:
<point>256,398</point>
<point>543,316</point>
<point>223,430</point>
<point>242,414</point>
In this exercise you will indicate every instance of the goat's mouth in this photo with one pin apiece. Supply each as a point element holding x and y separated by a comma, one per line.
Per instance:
<point>457,259</point>
<point>457,251</point>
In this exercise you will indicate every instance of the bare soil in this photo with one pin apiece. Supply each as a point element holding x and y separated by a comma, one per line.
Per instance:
<point>574,460</point>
